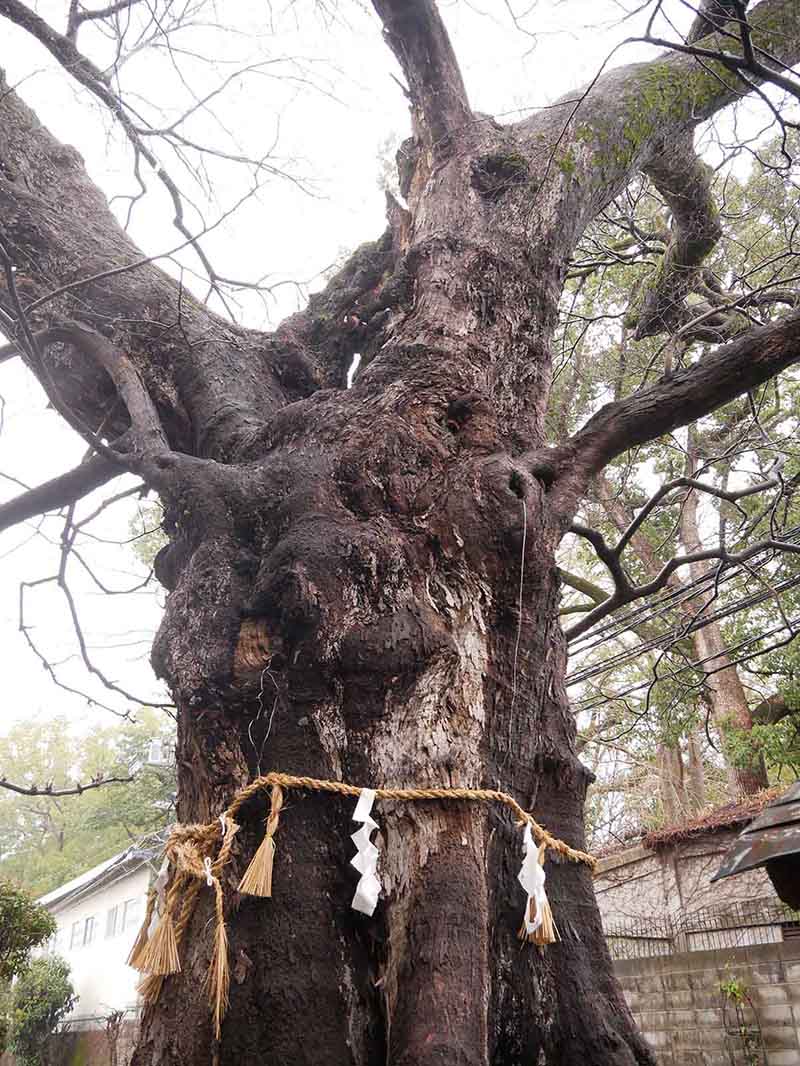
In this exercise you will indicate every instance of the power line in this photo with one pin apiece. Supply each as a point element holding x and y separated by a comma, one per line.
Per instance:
<point>710,584</point>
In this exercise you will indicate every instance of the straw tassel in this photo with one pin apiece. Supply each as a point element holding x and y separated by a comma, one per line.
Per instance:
<point>219,978</point>
<point>140,943</point>
<point>546,931</point>
<point>538,926</point>
<point>257,879</point>
<point>190,850</point>
<point>160,953</point>
<point>150,988</point>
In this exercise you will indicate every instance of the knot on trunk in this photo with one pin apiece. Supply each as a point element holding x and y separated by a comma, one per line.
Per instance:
<point>494,174</point>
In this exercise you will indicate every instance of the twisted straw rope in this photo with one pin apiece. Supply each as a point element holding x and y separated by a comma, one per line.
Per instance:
<point>190,845</point>
<point>485,795</point>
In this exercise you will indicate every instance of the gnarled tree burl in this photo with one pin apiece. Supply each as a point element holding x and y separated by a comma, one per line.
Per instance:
<point>356,553</point>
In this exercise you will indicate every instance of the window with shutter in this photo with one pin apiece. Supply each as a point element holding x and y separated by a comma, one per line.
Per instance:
<point>111,922</point>
<point>89,930</point>
<point>132,914</point>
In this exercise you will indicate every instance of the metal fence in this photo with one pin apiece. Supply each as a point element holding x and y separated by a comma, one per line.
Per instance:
<point>732,925</point>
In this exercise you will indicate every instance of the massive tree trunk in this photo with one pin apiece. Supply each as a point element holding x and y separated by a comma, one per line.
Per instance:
<point>376,565</point>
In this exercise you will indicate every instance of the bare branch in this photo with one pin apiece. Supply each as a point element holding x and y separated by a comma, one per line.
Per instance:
<point>78,14</point>
<point>611,557</point>
<point>417,36</point>
<point>58,492</point>
<point>625,593</point>
<point>49,790</point>
<point>689,394</point>
<point>729,495</point>
<point>87,74</point>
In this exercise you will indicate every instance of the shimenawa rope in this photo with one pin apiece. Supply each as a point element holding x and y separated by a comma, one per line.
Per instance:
<point>190,849</point>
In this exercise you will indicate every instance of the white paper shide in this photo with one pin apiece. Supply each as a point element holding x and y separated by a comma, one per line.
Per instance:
<point>366,861</point>
<point>532,877</point>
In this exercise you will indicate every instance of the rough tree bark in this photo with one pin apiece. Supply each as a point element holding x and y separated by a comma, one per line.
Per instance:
<point>358,553</point>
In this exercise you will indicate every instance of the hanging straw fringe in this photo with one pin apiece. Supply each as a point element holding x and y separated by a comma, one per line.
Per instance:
<point>257,880</point>
<point>149,988</point>
<point>219,978</point>
<point>547,930</point>
<point>139,944</point>
<point>189,845</point>
<point>160,954</point>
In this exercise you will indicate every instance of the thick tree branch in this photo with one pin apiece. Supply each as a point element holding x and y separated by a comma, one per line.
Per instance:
<point>714,15</point>
<point>581,584</point>
<point>728,19</point>
<point>59,492</point>
<point>689,394</point>
<point>629,116</point>
<point>148,437</point>
<point>684,181</point>
<point>212,400</point>
<point>774,709</point>
<point>416,34</point>
<point>742,65</point>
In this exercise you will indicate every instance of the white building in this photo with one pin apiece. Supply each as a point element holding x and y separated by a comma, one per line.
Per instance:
<point>99,915</point>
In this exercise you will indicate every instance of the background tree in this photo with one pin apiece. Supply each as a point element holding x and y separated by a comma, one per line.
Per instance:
<point>23,926</point>
<point>702,690</point>
<point>46,838</point>
<point>365,577</point>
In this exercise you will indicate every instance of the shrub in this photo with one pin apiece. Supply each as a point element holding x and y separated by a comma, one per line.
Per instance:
<point>23,925</point>
<point>41,997</point>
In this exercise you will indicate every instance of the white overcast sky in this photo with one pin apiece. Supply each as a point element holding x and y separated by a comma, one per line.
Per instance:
<point>326,103</point>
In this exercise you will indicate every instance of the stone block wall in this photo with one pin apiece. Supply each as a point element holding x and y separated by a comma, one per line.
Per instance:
<point>677,1003</point>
